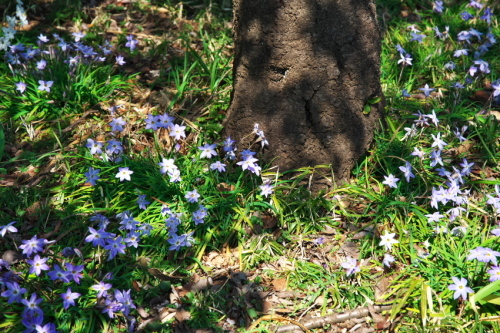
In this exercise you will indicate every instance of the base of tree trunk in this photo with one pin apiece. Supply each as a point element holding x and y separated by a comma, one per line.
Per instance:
<point>308,72</point>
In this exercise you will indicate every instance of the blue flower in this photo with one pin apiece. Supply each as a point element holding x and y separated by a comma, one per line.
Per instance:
<point>69,298</point>
<point>92,176</point>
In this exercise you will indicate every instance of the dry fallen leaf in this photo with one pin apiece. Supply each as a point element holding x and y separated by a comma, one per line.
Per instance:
<point>182,315</point>
<point>279,284</point>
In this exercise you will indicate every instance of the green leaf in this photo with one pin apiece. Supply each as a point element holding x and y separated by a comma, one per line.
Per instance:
<point>494,299</point>
<point>2,142</point>
<point>367,109</point>
<point>374,100</point>
<point>486,291</point>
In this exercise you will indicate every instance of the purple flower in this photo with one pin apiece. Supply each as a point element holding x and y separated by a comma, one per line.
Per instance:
<point>488,255</point>
<point>484,254</point>
<point>427,90</point>
<point>459,133</point>
<point>33,245</point>
<point>495,273</point>
<point>41,64</point>
<point>114,147</point>
<point>496,88</point>
<point>176,242</point>
<point>434,217</point>
<point>319,241</point>
<point>201,213</point>
<point>496,232</point>
<point>466,16</point>
<point>45,85</point>
<point>407,171</point>
<point>438,7</point>
<point>21,87</point>
<point>262,138</point>
<point>438,142</point>
<point>31,320</point>
<point>38,265</point>
<point>351,266</point>
<point>127,221</point>
<point>74,272</point>
<point>133,239</point>
<point>400,49</point>
<point>460,288</point>
<point>13,292</point>
<point>124,298</point>
<point>98,237</point>
<point>117,124</point>
<point>466,167</point>
<point>436,158</point>
<point>131,43</point>
<point>115,246</point>
<point>101,219</point>
<point>142,202</point>
<point>101,288</point>
<point>482,65</point>
<point>146,229</point>
<point>43,38</point>
<point>92,176</point>
<point>450,65</point>
<point>248,163</point>
<point>78,35</point>
<point>475,4</point>
<point>177,132</point>
<point>417,152</point>
<point>152,122</point>
<point>405,59</point>
<point>8,227</point>
<point>228,144</point>
<point>111,307</point>
<point>461,52</point>
<point>488,14</point>
<point>58,273</point>
<point>391,181</point>
<point>192,196</point>
<point>69,298</point>
<point>219,166</point>
<point>266,189</point>
<point>124,174</point>
<point>167,165</point>
<point>120,61</point>
<point>32,305</point>
<point>418,37</point>
<point>5,265</point>
<point>165,120</point>
<point>388,259</point>
<point>208,150</point>
<point>47,328</point>
<point>94,146</point>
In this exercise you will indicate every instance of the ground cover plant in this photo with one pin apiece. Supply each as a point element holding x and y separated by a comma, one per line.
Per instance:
<point>125,209</point>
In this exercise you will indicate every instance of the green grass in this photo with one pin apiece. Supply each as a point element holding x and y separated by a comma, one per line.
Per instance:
<point>184,69</point>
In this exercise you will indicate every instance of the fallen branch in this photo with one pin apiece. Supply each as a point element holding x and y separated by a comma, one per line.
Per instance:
<point>278,318</point>
<point>317,322</point>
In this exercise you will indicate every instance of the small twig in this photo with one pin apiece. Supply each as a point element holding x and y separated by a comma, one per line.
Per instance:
<point>317,322</point>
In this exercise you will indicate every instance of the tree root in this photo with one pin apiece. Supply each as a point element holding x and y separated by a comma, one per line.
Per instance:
<point>317,322</point>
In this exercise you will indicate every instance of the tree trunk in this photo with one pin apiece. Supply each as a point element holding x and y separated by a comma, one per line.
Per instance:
<point>308,72</point>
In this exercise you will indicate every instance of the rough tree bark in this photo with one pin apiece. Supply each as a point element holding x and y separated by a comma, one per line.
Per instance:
<point>308,72</point>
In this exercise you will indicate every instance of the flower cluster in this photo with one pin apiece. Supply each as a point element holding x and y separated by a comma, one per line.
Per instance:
<point>118,301</point>
<point>132,232</point>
